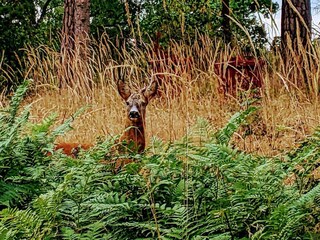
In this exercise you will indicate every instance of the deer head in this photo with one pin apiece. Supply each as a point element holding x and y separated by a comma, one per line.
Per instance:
<point>137,101</point>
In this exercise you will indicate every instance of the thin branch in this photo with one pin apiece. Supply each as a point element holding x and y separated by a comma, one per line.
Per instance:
<point>43,12</point>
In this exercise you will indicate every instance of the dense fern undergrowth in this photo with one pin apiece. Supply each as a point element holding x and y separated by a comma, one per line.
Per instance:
<point>197,188</point>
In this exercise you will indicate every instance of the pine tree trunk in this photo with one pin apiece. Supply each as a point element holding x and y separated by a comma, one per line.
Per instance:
<point>74,42</point>
<point>296,40</point>
<point>82,25</point>
<point>295,24</point>
<point>68,28</point>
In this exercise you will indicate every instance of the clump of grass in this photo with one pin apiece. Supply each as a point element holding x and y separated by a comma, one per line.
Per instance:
<point>288,111</point>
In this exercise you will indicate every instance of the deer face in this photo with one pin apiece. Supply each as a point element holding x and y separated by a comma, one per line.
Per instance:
<point>137,101</point>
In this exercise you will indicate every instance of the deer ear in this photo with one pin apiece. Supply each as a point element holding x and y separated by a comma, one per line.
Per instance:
<point>123,89</point>
<point>151,90</point>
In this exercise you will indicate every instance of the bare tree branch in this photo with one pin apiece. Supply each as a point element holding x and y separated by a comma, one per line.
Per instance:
<point>43,12</point>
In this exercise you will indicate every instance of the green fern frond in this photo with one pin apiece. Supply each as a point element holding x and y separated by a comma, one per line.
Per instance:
<point>297,213</point>
<point>23,224</point>
<point>16,100</point>
<point>43,127</point>
<point>224,135</point>
<point>66,126</point>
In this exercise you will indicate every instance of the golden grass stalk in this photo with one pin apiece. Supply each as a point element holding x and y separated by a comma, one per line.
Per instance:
<point>190,90</point>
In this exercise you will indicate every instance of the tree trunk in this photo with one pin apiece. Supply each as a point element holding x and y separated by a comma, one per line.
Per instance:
<point>296,40</point>
<point>226,21</point>
<point>82,25</point>
<point>295,24</point>
<point>68,28</point>
<point>74,42</point>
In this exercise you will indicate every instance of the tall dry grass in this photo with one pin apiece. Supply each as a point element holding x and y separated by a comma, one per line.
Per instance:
<point>288,110</point>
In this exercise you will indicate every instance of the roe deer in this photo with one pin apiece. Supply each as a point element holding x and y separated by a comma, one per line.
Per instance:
<point>134,135</point>
<point>133,138</point>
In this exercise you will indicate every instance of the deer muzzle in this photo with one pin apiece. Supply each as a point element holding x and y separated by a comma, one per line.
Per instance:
<point>134,112</point>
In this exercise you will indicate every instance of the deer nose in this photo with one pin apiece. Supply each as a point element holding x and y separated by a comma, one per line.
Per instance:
<point>134,114</point>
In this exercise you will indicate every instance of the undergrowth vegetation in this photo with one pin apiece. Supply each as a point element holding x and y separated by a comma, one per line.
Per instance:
<point>185,189</point>
<point>191,87</point>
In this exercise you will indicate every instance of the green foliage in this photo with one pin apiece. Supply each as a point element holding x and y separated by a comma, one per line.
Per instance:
<point>182,190</point>
<point>16,155</point>
<point>181,20</point>
<point>25,23</point>
<point>238,119</point>
<point>15,26</point>
<point>37,22</point>
<point>111,17</point>
<point>304,160</point>
<point>245,13</point>
<point>24,147</point>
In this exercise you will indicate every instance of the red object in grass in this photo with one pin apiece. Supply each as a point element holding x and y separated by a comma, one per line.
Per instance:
<point>240,73</point>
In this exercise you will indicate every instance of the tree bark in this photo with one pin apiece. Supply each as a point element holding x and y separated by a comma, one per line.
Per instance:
<point>74,40</point>
<point>82,25</point>
<point>67,41</point>
<point>295,24</point>
<point>296,40</point>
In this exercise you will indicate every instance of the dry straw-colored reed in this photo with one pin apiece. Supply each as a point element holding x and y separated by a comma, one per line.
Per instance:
<point>288,107</point>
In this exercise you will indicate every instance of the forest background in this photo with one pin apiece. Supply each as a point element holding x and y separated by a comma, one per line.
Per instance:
<point>232,136</point>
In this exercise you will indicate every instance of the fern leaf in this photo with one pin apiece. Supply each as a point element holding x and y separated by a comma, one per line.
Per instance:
<point>224,135</point>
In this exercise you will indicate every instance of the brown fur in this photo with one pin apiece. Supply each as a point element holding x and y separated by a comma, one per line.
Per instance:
<point>133,138</point>
<point>72,149</point>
